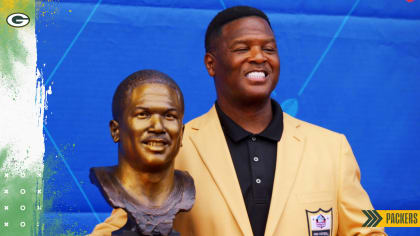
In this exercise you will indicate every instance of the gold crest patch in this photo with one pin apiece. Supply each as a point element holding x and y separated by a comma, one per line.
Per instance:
<point>320,222</point>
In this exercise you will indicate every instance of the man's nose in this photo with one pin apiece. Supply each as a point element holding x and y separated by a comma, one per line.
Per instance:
<point>156,124</point>
<point>257,55</point>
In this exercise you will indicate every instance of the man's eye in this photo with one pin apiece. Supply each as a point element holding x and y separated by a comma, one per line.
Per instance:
<point>269,49</point>
<point>240,49</point>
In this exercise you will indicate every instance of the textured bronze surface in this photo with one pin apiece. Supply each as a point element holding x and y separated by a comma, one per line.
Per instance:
<point>148,221</point>
<point>147,125</point>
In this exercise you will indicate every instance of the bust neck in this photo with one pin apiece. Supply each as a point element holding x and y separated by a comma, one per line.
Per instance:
<point>151,189</point>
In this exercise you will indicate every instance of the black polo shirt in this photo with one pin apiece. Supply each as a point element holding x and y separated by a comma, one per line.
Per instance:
<point>254,158</point>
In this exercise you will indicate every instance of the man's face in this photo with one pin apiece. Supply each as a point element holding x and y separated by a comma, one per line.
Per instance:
<point>150,130</point>
<point>244,62</point>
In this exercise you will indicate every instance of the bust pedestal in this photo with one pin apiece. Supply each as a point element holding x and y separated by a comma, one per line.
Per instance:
<point>143,220</point>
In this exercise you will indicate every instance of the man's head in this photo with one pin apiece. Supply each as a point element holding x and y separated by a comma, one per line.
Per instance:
<point>214,29</point>
<point>241,55</point>
<point>148,109</point>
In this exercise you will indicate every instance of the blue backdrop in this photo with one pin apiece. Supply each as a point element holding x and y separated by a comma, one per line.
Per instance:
<point>349,66</point>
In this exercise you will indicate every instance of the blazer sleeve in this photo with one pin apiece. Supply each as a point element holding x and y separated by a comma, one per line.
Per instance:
<point>352,198</point>
<point>114,222</point>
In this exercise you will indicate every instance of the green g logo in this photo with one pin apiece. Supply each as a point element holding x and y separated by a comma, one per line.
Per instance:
<point>17,20</point>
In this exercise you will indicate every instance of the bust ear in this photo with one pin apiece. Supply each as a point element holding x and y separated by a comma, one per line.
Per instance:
<point>209,61</point>
<point>114,127</point>
<point>182,135</point>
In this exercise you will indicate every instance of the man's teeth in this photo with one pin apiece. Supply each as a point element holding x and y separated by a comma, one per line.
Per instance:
<point>255,75</point>
<point>153,143</point>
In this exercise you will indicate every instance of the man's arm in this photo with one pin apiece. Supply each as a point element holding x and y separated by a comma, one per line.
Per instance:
<point>352,198</point>
<point>115,221</point>
<point>118,218</point>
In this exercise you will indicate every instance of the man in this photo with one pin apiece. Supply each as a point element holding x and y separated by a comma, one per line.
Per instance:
<point>259,171</point>
<point>147,110</point>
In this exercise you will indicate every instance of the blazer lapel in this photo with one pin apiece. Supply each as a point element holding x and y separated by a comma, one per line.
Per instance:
<point>211,145</point>
<point>289,155</point>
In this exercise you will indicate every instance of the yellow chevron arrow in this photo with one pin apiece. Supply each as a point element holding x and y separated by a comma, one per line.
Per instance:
<point>393,218</point>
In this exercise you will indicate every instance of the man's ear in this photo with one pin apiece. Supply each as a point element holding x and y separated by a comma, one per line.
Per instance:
<point>209,61</point>
<point>114,127</point>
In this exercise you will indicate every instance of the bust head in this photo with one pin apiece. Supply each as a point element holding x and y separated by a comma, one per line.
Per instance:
<point>148,109</point>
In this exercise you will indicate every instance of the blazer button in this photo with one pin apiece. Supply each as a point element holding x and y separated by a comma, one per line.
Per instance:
<point>258,181</point>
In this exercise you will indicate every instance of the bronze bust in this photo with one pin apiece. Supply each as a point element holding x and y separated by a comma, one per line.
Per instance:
<point>147,111</point>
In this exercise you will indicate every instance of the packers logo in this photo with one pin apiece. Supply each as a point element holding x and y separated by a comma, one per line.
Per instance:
<point>18,20</point>
<point>319,222</point>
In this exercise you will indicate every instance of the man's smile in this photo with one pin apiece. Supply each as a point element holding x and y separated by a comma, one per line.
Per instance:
<point>257,75</point>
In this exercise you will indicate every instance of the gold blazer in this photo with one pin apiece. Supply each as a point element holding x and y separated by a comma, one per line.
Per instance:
<point>316,173</point>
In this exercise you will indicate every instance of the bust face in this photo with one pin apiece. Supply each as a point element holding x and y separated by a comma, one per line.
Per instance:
<point>150,129</point>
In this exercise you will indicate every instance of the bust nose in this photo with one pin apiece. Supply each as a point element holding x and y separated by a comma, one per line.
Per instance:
<point>156,124</point>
